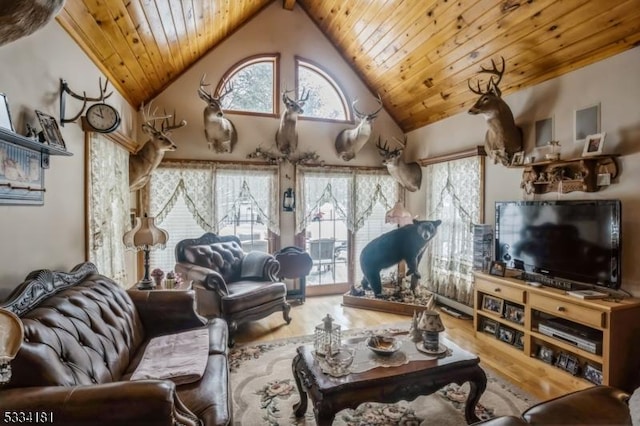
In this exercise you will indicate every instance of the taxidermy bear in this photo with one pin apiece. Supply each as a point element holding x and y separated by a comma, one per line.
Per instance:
<point>406,243</point>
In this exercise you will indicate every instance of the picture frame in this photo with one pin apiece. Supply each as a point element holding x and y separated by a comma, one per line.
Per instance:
<point>593,144</point>
<point>489,326</point>
<point>592,373</point>
<point>518,158</point>
<point>5,114</point>
<point>21,175</point>
<point>50,130</point>
<point>492,304</point>
<point>568,363</point>
<point>519,340</point>
<point>498,268</point>
<point>544,132</point>
<point>546,354</point>
<point>506,334</point>
<point>514,313</point>
<point>586,122</point>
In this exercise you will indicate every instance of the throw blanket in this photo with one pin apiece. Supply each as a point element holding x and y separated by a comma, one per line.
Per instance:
<point>253,265</point>
<point>180,357</point>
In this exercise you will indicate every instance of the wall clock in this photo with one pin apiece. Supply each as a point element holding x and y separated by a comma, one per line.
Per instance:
<point>102,118</point>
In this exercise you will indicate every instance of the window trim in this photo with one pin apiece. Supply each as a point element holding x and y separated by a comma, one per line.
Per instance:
<point>274,58</point>
<point>314,66</point>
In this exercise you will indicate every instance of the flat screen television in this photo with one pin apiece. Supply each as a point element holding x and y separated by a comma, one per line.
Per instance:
<point>577,240</point>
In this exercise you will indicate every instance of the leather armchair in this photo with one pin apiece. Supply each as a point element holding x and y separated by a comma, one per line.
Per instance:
<point>229,283</point>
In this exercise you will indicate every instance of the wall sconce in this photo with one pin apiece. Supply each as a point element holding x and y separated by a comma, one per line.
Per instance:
<point>289,200</point>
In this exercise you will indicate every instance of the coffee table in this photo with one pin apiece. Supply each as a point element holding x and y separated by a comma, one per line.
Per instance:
<point>330,394</point>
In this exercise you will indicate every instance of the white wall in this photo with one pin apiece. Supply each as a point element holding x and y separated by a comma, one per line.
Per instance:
<point>290,33</point>
<point>615,84</point>
<point>50,236</point>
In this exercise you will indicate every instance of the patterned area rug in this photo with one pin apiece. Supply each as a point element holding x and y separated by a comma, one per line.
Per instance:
<point>264,393</point>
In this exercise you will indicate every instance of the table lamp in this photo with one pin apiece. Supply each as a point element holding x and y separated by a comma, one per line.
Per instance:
<point>431,326</point>
<point>145,236</point>
<point>327,337</point>
<point>11,335</point>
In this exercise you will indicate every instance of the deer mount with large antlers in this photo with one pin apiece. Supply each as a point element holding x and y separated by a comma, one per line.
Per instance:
<point>409,175</point>
<point>503,138</point>
<point>350,141</point>
<point>287,134</point>
<point>146,159</point>
<point>220,132</point>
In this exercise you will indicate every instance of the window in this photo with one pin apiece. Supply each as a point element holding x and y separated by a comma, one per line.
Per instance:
<point>189,199</point>
<point>254,85</point>
<point>340,210</point>
<point>327,100</point>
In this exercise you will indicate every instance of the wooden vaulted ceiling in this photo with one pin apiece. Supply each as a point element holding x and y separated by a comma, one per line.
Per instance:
<point>417,54</point>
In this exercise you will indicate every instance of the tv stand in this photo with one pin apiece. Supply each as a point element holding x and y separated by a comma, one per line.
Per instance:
<point>544,329</point>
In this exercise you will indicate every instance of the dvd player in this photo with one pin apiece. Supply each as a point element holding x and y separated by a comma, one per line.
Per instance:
<point>581,336</point>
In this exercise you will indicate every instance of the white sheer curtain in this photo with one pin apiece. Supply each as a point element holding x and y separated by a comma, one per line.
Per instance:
<point>454,190</point>
<point>109,202</point>
<point>259,188</point>
<point>190,198</point>
<point>354,194</point>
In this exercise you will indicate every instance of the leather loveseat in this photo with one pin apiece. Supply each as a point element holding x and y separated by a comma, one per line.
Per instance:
<point>597,405</point>
<point>84,338</point>
<point>230,283</point>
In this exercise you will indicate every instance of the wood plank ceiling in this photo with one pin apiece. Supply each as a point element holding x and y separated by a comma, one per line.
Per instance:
<point>418,54</point>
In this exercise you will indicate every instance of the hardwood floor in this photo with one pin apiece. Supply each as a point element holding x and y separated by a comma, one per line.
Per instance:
<point>306,316</point>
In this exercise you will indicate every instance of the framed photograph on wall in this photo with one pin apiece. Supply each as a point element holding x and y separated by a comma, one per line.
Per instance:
<point>543,132</point>
<point>593,144</point>
<point>50,130</point>
<point>586,122</point>
<point>5,114</point>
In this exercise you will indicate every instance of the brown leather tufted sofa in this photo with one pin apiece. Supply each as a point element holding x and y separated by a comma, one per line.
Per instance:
<point>85,336</point>
<point>229,283</point>
<point>597,405</point>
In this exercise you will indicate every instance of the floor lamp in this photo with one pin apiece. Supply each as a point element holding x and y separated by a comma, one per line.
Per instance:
<point>145,236</point>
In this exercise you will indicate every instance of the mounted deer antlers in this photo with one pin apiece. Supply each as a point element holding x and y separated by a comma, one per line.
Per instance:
<point>350,141</point>
<point>145,161</point>
<point>220,132</point>
<point>504,138</point>
<point>409,175</point>
<point>287,134</point>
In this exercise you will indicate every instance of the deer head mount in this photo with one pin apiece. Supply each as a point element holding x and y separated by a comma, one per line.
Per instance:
<point>147,158</point>
<point>21,18</point>
<point>350,141</point>
<point>287,134</point>
<point>503,138</point>
<point>409,175</point>
<point>220,132</point>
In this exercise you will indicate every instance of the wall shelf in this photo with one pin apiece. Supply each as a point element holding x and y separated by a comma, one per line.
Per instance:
<point>576,174</point>
<point>11,137</point>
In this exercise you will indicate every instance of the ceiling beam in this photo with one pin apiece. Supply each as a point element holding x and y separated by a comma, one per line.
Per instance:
<point>288,4</point>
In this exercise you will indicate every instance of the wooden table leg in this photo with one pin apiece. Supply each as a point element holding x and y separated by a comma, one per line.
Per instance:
<point>299,408</point>
<point>478,383</point>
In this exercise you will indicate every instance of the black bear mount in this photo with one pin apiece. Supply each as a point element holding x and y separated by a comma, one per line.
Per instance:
<point>407,243</point>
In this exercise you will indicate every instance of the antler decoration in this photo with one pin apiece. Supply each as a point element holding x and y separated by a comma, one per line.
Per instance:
<point>64,88</point>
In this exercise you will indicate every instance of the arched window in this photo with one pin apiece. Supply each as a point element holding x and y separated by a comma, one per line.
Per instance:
<point>327,100</point>
<point>254,82</point>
